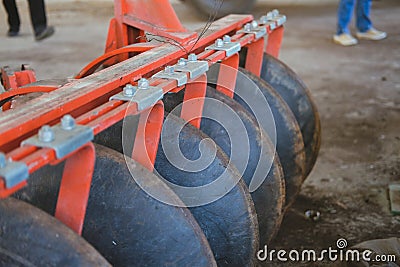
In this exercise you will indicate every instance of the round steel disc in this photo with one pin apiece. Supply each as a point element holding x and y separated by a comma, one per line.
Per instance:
<point>30,237</point>
<point>126,225</point>
<point>289,142</point>
<point>269,198</point>
<point>230,223</point>
<point>232,233</point>
<point>291,88</point>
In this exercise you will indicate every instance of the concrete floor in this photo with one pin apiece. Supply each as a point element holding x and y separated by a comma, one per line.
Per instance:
<point>357,91</point>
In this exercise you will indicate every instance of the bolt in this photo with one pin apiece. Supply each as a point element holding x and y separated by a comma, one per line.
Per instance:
<point>182,62</point>
<point>46,134</point>
<point>68,122</point>
<point>219,43</point>
<point>192,57</point>
<point>254,24</point>
<point>2,160</point>
<point>264,19</point>
<point>275,12</point>
<point>281,20</point>
<point>129,90</point>
<point>143,84</point>
<point>169,69</point>
<point>227,39</point>
<point>247,27</point>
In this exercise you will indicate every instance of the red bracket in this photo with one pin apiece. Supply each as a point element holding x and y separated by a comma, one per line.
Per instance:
<point>193,101</point>
<point>75,187</point>
<point>275,42</point>
<point>227,75</point>
<point>148,136</point>
<point>255,54</point>
<point>133,18</point>
<point>14,79</point>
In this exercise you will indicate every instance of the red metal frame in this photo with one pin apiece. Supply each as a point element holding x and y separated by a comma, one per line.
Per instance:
<point>148,136</point>
<point>254,57</point>
<point>227,75</point>
<point>14,79</point>
<point>193,101</point>
<point>87,98</point>
<point>275,41</point>
<point>75,187</point>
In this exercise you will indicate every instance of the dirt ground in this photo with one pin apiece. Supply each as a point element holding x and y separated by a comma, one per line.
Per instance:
<point>356,89</point>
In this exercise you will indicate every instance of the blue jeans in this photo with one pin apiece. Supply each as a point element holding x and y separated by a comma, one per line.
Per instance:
<point>345,11</point>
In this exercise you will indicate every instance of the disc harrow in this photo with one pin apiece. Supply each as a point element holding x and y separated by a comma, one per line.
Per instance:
<point>181,151</point>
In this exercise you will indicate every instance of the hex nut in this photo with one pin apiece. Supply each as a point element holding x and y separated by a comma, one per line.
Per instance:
<point>129,90</point>
<point>68,122</point>
<point>46,134</point>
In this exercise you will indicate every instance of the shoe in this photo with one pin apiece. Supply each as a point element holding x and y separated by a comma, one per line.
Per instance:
<point>345,39</point>
<point>12,33</point>
<point>372,34</point>
<point>47,32</point>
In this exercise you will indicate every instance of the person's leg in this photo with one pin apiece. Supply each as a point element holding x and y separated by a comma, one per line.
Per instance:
<point>363,15</point>
<point>39,20</point>
<point>38,15</point>
<point>345,12</point>
<point>364,24</point>
<point>13,16</point>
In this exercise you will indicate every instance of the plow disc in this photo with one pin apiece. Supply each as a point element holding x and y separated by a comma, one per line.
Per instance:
<point>30,237</point>
<point>122,222</point>
<point>269,198</point>
<point>291,88</point>
<point>289,143</point>
<point>231,233</point>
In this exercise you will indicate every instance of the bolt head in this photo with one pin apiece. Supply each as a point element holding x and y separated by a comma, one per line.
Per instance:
<point>68,122</point>
<point>227,39</point>
<point>182,62</point>
<point>282,19</point>
<point>129,90</point>
<point>275,12</point>
<point>219,43</point>
<point>169,69</point>
<point>143,84</point>
<point>3,161</point>
<point>46,134</point>
<point>272,14</point>
<point>247,27</point>
<point>192,57</point>
<point>264,19</point>
<point>254,24</point>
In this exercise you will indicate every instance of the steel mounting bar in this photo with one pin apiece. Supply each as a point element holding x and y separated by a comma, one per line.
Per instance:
<point>79,93</point>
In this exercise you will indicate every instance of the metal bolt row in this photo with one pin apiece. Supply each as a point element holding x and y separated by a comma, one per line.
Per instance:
<point>274,15</point>
<point>143,84</point>
<point>46,133</point>
<point>221,42</point>
<point>251,26</point>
